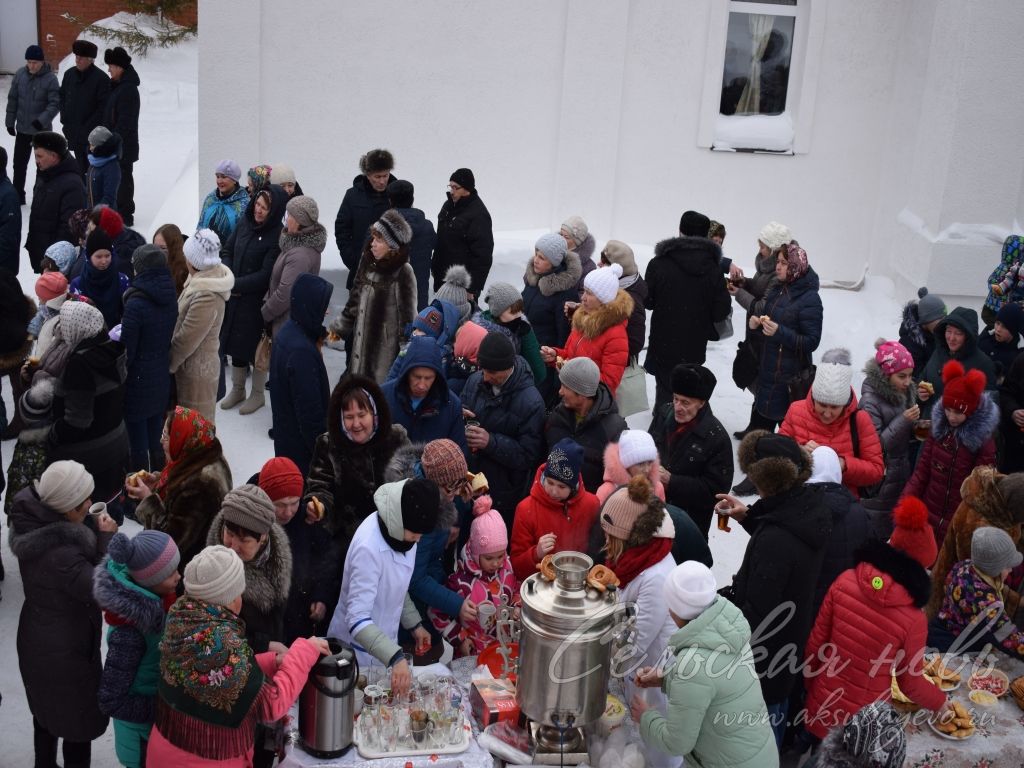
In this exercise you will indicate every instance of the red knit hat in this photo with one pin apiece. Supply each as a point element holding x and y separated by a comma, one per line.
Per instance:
<point>280,478</point>
<point>962,391</point>
<point>912,534</point>
<point>51,285</point>
<point>111,222</point>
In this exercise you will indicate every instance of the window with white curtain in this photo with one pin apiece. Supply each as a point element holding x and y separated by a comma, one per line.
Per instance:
<point>758,53</point>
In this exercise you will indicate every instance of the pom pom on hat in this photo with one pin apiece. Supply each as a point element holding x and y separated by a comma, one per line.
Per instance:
<point>304,210</point>
<point>488,532</point>
<point>581,375</point>
<point>552,247</point>
<point>832,378</point>
<point>962,391</point>
<point>635,447</point>
<point>911,533</point>
<point>202,250</point>
<point>64,485</point>
<point>216,576</point>
<point>111,222</point>
<point>228,168</point>
<point>280,478</point>
<point>775,235</point>
<point>393,229</point>
<point>892,357</point>
<point>690,589</point>
<point>603,282</point>
<point>151,556</point>
<point>455,290</point>
<point>929,307</point>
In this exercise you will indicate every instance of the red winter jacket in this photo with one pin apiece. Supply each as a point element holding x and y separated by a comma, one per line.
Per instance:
<point>867,467</point>
<point>538,514</point>
<point>601,336</point>
<point>874,625</point>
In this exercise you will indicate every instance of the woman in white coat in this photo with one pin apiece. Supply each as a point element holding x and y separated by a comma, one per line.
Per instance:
<point>374,598</point>
<point>638,542</point>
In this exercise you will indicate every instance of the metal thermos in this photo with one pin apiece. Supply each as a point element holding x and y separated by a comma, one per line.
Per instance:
<point>565,645</point>
<point>327,702</point>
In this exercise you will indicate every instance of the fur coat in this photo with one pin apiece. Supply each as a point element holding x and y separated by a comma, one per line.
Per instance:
<point>195,346</point>
<point>300,253</point>
<point>382,303</point>
<point>544,298</point>
<point>601,336</point>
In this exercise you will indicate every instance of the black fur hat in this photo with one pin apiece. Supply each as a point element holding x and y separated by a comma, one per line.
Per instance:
<point>774,463</point>
<point>117,56</point>
<point>691,380</point>
<point>52,141</point>
<point>84,48</point>
<point>376,160</point>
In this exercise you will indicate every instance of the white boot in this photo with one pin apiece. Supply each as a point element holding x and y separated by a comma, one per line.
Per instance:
<point>255,400</point>
<point>237,392</point>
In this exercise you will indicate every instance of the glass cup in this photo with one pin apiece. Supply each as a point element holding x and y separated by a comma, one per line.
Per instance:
<point>922,428</point>
<point>455,727</point>
<point>485,614</point>
<point>420,727</point>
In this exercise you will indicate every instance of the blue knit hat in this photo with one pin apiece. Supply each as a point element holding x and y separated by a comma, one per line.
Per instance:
<point>565,462</point>
<point>151,556</point>
<point>430,321</point>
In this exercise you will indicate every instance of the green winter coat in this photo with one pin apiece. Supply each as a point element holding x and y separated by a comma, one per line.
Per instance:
<point>716,714</point>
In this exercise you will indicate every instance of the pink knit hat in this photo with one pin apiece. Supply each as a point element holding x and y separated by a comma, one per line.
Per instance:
<point>892,357</point>
<point>488,532</point>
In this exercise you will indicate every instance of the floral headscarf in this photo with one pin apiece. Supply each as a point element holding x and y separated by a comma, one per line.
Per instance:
<point>796,262</point>
<point>188,432</point>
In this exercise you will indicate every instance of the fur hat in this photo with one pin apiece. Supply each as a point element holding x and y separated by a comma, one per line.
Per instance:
<point>151,556</point>
<point>34,53</point>
<point>421,502</point>
<point>691,380</point>
<point>488,532</point>
<point>282,174</point>
<point>51,285</point>
<point>280,478</point>
<point>832,378</point>
<point>98,240</point>
<point>576,228</point>
<point>202,250</point>
<point>775,235</point>
<point>228,168</point>
<point>962,391</point>
<point>796,262</point>
<point>892,357</point>
<point>455,289</point>
<point>85,48</point>
<point>617,252</point>
<point>63,254</point>
<point>690,589</point>
<point>496,352</point>
<point>304,210</point>
<point>581,375</point>
<point>635,447</point>
<point>564,462</point>
<point>501,296</point>
<point>929,307</point>
<point>249,507</point>
<point>911,532</point>
<point>117,56</point>
<point>148,256</point>
<point>693,224</point>
<point>464,178</point>
<point>633,513</point>
<point>552,247</point>
<point>444,463</point>
<point>51,141</point>
<point>111,222</point>
<point>393,229</point>
<point>1011,315</point>
<point>774,463</point>
<point>401,193</point>
<point>1011,491</point>
<point>376,161</point>
<point>36,402</point>
<point>99,136</point>
<point>603,282</point>
<point>64,485</point>
<point>992,551</point>
<point>216,576</point>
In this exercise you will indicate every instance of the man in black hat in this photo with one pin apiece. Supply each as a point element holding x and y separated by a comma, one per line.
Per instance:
<point>59,192</point>
<point>464,233</point>
<point>32,103</point>
<point>121,115</point>
<point>363,204</point>
<point>83,96</point>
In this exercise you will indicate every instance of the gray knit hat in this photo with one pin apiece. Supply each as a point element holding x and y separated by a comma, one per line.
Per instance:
<point>216,575</point>
<point>617,252</point>
<point>64,485</point>
<point>304,210</point>
<point>875,734</point>
<point>993,551</point>
<point>581,375</point>
<point>929,307</point>
<point>98,135</point>
<point>455,290</point>
<point>148,256</point>
<point>501,296</point>
<point>249,506</point>
<point>393,229</point>
<point>552,247</point>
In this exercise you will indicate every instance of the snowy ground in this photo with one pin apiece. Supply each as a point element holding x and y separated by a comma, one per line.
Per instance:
<point>166,180</point>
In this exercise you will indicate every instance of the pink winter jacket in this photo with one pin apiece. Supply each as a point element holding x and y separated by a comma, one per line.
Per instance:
<point>615,474</point>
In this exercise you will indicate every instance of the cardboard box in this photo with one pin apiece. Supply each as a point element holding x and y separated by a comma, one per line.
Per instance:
<point>494,700</point>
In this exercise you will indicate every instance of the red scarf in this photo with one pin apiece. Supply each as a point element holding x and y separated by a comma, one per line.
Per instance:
<point>682,429</point>
<point>188,432</point>
<point>636,560</point>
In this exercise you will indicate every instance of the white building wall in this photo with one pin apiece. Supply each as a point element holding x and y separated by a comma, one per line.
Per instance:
<point>595,108</point>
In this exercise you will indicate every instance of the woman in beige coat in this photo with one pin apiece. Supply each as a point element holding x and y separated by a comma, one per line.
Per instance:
<point>195,362</point>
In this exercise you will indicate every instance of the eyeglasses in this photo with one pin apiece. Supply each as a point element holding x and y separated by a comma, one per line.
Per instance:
<point>454,187</point>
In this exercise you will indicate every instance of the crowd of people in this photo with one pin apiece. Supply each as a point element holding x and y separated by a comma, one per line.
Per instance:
<point>479,427</point>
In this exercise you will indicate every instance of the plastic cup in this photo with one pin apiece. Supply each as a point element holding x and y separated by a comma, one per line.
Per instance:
<point>485,614</point>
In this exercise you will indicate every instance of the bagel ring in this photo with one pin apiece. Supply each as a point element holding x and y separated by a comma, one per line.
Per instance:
<point>547,568</point>
<point>601,577</point>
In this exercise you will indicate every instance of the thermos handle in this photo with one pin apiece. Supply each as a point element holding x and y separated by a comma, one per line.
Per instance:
<point>315,679</point>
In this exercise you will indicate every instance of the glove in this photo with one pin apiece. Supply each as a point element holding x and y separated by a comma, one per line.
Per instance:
<point>11,131</point>
<point>37,125</point>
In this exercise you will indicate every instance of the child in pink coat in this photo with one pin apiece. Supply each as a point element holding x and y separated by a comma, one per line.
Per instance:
<point>484,574</point>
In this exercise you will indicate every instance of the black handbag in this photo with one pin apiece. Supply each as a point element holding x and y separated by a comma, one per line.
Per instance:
<point>745,365</point>
<point>800,384</point>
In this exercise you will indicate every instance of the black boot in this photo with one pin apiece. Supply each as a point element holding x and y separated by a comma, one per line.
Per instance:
<point>744,488</point>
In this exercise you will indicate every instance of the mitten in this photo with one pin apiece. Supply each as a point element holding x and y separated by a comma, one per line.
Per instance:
<point>11,131</point>
<point>37,125</point>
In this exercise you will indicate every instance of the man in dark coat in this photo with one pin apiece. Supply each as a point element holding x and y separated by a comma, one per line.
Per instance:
<point>83,96</point>
<point>956,338</point>
<point>400,195</point>
<point>687,295</point>
<point>58,193</point>
<point>917,328</point>
<point>419,398</point>
<point>10,220</point>
<point>695,449</point>
<point>587,414</point>
<point>299,389</point>
<point>121,115</point>
<point>32,103</point>
<point>506,441</point>
<point>364,203</point>
<point>464,234</point>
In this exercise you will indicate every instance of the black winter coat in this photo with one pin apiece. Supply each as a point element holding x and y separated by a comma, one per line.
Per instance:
<point>464,236</point>
<point>850,530</point>
<point>601,425</point>
<point>121,113</point>
<point>515,420</point>
<point>1011,398</point>
<point>124,248</point>
<point>636,328</point>
<point>299,390</point>
<point>544,298</point>
<point>969,355</point>
<point>83,97</point>
<point>147,325</point>
<point>59,628</point>
<point>919,342</point>
<point>700,462</point>
<point>58,193</point>
<point>10,226</point>
<point>686,293</point>
<point>780,568</point>
<point>250,253</point>
<point>420,249</point>
<point>361,207</point>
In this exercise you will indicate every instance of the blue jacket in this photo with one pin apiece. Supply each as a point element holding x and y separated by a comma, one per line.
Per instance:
<point>10,225</point>
<point>514,417</point>
<point>440,412</point>
<point>147,325</point>
<point>299,390</point>
<point>102,180</point>
<point>445,340</point>
<point>796,307</point>
<point>420,250</point>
